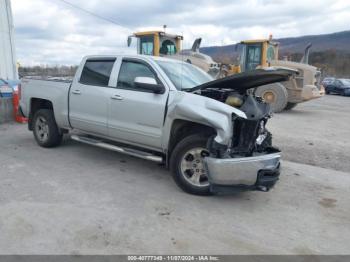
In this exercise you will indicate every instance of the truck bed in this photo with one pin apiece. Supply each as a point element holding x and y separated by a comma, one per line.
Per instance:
<point>53,90</point>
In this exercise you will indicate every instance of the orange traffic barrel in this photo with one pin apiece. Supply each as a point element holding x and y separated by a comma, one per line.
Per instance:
<point>17,115</point>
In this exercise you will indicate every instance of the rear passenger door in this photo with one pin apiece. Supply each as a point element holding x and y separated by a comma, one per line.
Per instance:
<point>136,115</point>
<point>89,96</point>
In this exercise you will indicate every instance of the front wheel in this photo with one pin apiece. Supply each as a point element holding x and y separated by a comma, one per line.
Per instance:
<point>45,129</point>
<point>187,165</point>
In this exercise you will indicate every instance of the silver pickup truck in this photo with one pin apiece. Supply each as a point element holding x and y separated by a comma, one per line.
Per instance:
<point>210,133</point>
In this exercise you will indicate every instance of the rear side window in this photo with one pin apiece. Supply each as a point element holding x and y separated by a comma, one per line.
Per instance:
<point>97,72</point>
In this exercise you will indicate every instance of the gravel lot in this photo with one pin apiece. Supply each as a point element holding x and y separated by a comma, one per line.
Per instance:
<point>77,199</point>
<point>316,133</point>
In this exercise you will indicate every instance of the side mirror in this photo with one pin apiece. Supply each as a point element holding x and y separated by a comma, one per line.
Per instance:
<point>150,84</point>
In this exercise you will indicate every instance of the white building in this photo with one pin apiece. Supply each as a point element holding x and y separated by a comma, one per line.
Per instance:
<point>8,68</point>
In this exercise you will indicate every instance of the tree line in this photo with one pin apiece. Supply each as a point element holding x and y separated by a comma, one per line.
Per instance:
<point>331,62</point>
<point>47,71</point>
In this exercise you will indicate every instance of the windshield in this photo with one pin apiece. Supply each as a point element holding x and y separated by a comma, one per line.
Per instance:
<point>183,75</point>
<point>345,82</point>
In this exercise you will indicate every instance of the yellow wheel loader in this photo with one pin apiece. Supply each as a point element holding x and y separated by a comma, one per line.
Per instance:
<point>159,43</point>
<point>285,95</point>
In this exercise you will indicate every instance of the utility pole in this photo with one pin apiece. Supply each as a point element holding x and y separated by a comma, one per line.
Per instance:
<point>8,66</point>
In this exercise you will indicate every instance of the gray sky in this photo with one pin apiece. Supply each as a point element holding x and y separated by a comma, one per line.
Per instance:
<point>51,32</point>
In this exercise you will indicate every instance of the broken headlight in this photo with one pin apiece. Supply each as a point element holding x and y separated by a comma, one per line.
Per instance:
<point>262,133</point>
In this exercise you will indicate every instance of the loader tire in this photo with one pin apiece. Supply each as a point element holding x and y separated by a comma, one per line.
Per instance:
<point>274,94</point>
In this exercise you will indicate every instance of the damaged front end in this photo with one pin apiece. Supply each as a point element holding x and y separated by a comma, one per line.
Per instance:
<point>248,161</point>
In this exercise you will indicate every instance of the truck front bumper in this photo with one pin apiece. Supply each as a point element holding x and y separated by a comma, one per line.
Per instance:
<point>259,172</point>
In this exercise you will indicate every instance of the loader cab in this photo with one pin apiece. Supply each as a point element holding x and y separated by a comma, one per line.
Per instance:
<point>257,53</point>
<point>156,43</point>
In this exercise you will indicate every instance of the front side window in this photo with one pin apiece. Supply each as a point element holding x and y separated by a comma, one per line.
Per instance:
<point>146,43</point>
<point>129,70</point>
<point>97,72</point>
<point>253,56</point>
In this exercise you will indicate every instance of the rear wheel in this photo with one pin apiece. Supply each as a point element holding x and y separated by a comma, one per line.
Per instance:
<point>45,129</point>
<point>274,94</point>
<point>187,165</point>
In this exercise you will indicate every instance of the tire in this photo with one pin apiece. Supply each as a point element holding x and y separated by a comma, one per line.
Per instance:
<point>45,130</point>
<point>290,106</point>
<point>278,94</point>
<point>184,167</point>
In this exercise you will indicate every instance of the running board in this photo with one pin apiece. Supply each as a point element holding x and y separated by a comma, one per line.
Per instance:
<point>123,150</point>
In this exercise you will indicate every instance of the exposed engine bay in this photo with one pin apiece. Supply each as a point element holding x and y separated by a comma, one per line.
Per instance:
<point>249,135</point>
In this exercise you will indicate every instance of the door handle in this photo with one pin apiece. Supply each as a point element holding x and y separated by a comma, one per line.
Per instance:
<point>117,97</point>
<point>76,92</point>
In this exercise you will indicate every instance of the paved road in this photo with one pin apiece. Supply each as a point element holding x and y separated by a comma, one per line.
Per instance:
<point>77,199</point>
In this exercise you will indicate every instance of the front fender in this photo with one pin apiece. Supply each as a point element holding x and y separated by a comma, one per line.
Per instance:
<point>202,110</point>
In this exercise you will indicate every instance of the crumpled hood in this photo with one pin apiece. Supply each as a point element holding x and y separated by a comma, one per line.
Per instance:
<point>243,81</point>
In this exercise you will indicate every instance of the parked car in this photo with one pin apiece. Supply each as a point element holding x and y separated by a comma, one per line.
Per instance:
<point>327,81</point>
<point>339,86</point>
<point>3,82</point>
<point>210,133</point>
<point>14,84</point>
<point>10,83</point>
<point>5,88</point>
